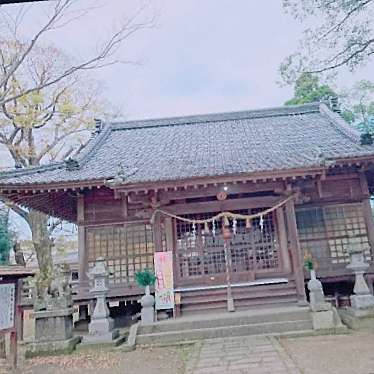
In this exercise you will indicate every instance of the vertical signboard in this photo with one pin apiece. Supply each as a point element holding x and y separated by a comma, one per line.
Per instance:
<point>164,284</point>
<point>7,303</point>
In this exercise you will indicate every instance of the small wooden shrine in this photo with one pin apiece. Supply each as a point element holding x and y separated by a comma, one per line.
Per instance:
<point>238,198</point>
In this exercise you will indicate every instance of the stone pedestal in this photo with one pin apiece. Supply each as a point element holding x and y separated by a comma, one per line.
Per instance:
<point>54,317</point>
<point>361,313</point>
<point>323,320</point>
<point>324,316</point>
<point>362,298</point>
<point>316,295</point>
<point>358,319</point>
<point>53,333</point>
<point>147,313</point>
<point>101,328</point>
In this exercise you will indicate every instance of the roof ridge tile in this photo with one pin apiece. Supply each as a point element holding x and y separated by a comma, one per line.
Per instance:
<point>213,117</point>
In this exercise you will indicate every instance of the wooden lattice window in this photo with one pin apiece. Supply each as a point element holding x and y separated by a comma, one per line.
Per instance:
<point>203,253</point>
<point>326,231</point>
<point>127,249</point>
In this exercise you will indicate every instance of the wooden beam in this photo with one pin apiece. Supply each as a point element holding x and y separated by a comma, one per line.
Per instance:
<point>116,223</point>
<point>256,177</point>
<point>213,190</point>
<point>225,205</point>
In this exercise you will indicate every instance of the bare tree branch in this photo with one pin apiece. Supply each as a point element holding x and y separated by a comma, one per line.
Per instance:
<point>48,100</point>
<point>345,60</point>
<point>339,24</point>
<point>341,35</point>
<point>99,60</point>
<point>59,10</point>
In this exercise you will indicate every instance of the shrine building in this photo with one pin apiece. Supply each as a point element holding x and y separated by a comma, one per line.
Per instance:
<point>236,197</point>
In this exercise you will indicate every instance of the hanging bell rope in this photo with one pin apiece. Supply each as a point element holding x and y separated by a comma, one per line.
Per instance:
<point>225,215</point>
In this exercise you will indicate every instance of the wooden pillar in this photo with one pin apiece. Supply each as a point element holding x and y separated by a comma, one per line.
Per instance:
<point>368,215</point>
<point>125,206</point>
<point>82,253</point>
<point>170,246</point>
<point>283,245</point>
<point>169,234</point>
<point>157,238</point>
<point>367,211</point>
<point>20,311</point>
<point>297,258</point>
<point>14,333</point>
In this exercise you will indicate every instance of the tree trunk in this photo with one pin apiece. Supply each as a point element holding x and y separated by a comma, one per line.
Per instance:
<point>2,346</point>
<point>43,244</point>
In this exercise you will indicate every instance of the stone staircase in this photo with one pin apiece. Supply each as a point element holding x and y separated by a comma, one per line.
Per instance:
<point>279,320</point>
<point>196,301</point>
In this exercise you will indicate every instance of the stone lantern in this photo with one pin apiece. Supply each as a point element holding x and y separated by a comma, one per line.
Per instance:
<point>362,297</point>
<point>101,326</point>
<point>361,313</point>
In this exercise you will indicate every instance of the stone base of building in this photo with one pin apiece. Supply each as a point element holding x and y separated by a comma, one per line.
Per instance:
<point>357,319</point>
<point>52,348</point>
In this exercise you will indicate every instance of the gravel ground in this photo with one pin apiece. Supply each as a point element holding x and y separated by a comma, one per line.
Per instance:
<point>168,360</point>
<point>334,354</point>
<point>340,354</point>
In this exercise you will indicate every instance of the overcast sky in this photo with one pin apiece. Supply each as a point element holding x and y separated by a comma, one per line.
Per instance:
<point>203,56</point>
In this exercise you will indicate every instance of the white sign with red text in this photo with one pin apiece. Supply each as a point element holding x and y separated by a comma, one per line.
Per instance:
<point>164,294</point>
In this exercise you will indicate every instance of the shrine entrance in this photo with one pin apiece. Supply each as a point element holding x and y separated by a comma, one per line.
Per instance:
<point>252,250</point>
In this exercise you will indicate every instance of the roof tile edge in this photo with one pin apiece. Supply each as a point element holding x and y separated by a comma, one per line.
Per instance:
<point>211,117</point>
<point>340,124</point>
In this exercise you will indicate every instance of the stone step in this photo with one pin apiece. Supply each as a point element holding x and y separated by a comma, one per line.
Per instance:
<point>241,296</point>
<point>267,328</point>
<point>239,290</point>
<point>221,307</point>
<point>271,303</point>
<point>265,315</point>
<point>214,300</point>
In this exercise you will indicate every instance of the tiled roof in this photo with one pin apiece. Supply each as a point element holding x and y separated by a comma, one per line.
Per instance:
<point>273,139</point>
